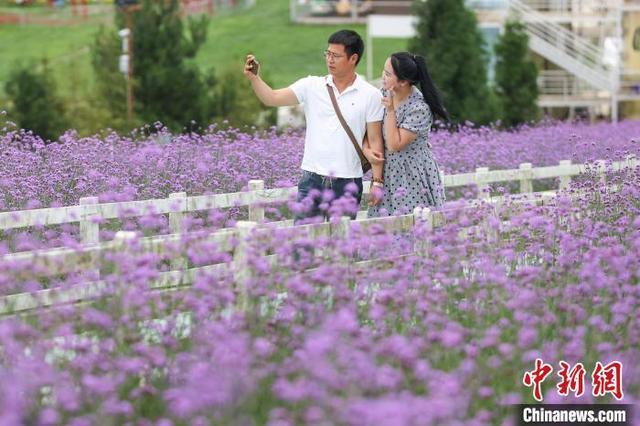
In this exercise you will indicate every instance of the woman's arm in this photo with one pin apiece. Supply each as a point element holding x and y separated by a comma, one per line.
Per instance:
<point>397,138</point>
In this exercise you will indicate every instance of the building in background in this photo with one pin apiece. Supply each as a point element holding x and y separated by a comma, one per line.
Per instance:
<point>587,51</point>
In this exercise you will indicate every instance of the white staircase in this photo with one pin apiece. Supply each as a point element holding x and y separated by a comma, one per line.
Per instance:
<point>573,9</point>
<point>560,88</point>
<point>565,48</point>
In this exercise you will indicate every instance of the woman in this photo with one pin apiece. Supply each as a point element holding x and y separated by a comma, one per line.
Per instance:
<point>411,173</point>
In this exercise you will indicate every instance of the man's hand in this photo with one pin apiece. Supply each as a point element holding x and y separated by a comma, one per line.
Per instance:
<point>248,67</point>
<point>375,195</point>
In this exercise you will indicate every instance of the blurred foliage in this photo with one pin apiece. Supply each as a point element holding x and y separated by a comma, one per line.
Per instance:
<point>234,104</point>
<point>516,77</point>
<point>33,101</point>
<point>168,85</point>
<point>449,38</point>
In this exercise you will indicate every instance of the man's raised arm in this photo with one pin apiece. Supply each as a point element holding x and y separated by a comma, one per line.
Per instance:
<point>267,95</point>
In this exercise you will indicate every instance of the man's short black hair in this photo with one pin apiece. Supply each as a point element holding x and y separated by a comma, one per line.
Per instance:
<point>351,41</point>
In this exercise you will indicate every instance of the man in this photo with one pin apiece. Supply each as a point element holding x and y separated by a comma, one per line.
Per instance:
<point>330,160</point>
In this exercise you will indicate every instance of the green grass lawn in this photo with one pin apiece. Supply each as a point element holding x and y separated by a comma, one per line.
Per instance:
<point>287,51</point>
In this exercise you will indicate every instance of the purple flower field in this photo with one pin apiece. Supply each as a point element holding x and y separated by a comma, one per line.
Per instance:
<point>128,168</point>
<point>437,336</point>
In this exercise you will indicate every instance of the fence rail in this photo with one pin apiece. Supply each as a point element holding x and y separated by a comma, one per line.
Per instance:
<point>90,212</point>
<point>50,262</point>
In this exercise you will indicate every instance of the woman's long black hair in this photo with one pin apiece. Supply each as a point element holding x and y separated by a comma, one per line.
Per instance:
<point>413,68</point>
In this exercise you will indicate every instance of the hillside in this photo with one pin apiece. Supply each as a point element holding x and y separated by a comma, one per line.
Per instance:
<point>287,51</point>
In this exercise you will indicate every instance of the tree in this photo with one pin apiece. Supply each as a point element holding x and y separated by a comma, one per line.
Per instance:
<point>516,75</point>
<point>35,104</point>
<point>448,37</point>
<point>168,86</point>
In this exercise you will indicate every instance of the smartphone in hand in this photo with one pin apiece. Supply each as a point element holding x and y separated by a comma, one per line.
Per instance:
<point>255,66</point>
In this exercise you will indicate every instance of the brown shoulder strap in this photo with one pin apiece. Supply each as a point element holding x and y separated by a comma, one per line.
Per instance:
<point>345,126</point>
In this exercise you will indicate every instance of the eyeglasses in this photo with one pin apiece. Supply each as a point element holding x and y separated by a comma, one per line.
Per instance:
<point>330,55</point>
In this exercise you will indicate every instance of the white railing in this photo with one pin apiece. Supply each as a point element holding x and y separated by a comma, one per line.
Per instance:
<point>563,83</point>
<point>354,10</point>
<point>573,7</point>
<point>89,213</point>
<point>50,262</point>
<point>44,263</point>
<point>565,48</point>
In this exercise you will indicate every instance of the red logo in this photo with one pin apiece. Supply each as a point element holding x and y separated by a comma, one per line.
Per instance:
<point>536,377</point>
<point>605,379</point>
<point>572,380</point>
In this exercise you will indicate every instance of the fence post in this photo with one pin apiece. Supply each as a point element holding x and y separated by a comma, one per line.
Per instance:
<point>526,178</point>
<point>176,226</point>
<point>241,272</point>
<point>256,212</point>
<point>565,179</point>
<point>422,216</point>
<point>493,235</point>
<point>123,241</point>
<point>481,182</point>
<point>176,218</point>
<point>341,230</point>
<point>89,228</point>
<point>90,232</point>
<point>601,170</point>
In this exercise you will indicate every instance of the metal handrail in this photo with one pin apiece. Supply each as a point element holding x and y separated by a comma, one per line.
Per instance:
<point>557,35</point>
<point>572,7</point>
<point>563,83</point>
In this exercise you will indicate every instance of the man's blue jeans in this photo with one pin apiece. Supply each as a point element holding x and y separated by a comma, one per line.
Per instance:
<point>311,181</point>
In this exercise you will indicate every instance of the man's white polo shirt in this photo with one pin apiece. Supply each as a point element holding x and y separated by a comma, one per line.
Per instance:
<point>328,151</point>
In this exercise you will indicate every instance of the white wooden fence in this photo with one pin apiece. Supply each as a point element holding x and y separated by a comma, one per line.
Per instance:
<point>60,261</point>
<point>90,212</point>
<point>67,260</point>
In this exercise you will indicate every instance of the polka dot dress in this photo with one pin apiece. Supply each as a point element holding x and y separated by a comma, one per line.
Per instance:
<point>411,176</point>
